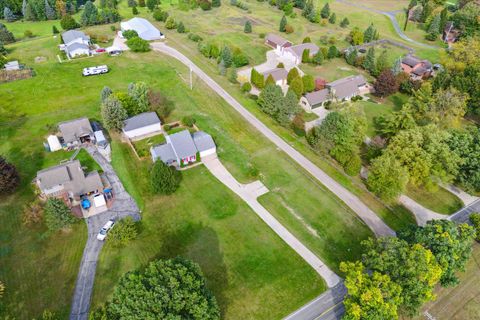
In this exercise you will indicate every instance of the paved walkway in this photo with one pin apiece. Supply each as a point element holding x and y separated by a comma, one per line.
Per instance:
<point>393,19</point>
<point>422,214</point>
<point>368,216</point>
<point>122,207</point>
<point>249,193</point>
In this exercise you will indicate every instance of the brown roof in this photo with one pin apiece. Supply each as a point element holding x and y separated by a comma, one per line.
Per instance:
<point>74,129</point>
<point>271,37</point>
<point>298,49</point>
<point>277,74</point>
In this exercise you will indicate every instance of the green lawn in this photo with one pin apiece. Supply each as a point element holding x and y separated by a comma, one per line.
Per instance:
<point>143,146</point>
<point>59,93</point>
<point>441,201</point>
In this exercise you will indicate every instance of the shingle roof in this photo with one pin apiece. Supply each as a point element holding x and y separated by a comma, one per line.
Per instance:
<point>203,141</point>
<point>182,144</point>
<point>411,61</point>
<point>276,39</point>
<point>347,87</point>
<point>74,129</point>
<point>317,97</point>
<point>141,120</point>
<point>277,74</point>
<point>163,152</point>
<point>76,45</point>
<point>298,49</point>
<point>143,27</point>
<point>71,35</point>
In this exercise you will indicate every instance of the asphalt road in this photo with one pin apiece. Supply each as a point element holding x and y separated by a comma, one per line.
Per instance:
<point>462,215</point>
<point>122,207</point>
<point>368,216</point>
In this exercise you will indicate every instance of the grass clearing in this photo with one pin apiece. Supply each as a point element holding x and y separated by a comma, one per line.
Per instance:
<point>143,146</point>
<point>441,200</point>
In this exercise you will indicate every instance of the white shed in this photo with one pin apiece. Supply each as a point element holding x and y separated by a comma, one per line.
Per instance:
<point>54,143</point>
<point>143,124</point>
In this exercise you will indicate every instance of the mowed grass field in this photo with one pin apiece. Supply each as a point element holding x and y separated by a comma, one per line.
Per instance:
<point>206,217</point>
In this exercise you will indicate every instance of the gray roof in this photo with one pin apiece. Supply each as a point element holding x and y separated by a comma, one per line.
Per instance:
<point>182,144</point>
<point>76,45</point>
<point>411,61</point>
<point>298,49</point>
<point>71,35</point>
<point>71,176</point>
<point>203,141</point>
<point>347,87</point>
<point>74,129</point>
<point>317,97</point>
<point>276,39</point>
<point>163,152</point>
<point>141,120</point>
<point>277,74</point>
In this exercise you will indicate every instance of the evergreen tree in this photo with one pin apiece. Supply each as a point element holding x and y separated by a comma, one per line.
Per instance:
<point>113,114</point>
<point>270,80</point>
<point>9,177</point>
<point>180,27</point>
<point>351,57</point>
<point>325,13</point>
<point>49,11</point>
<point>296,85</point>
<point>29,14</point>
<point>248,27</point>
<point>164,179</point>
<point>216,3</point>
<point>6,36</point>
<point>8,14</point>
<point>134,10</point>
<point>381,63</point>
<point>318,58</point>
<point>106,92</point>
<point>433,29</point>
<point>397,66</point>
<point>226,56</point>
<point>426,12</point>
<point>292,74</point>
<point>58,215</point>
<point>55,30</point>
<point>332,52</point>
<point>345,22</point>
<point>333,18</point>
<point>24,7</point>
<point>257,79</point>
<point>306,56</point>
<point>369,34</point>
<point>308,9</point>
<point>308,83</point>
<point>233,75</point>
<point>68,23</point>
<point>283,24</point>
<point>89,14</point>
<point>307,40</point>
<point>152,4</point>
<point>369,62</point>
<point>222,70</point>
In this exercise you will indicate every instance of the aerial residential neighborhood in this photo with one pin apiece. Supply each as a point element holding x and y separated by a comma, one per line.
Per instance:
<point>240,159</point>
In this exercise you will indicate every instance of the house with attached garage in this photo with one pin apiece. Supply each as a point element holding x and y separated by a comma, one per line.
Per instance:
<point>279,75</point>
<point>143,27</point>
<point>295,53</point>
<point>276,42</point>
<point>75,43</point>
<point>142,125</point>
<point>314,99</point>
<point>416,68</point>
<point>76,132</point>
<point>183,148</point>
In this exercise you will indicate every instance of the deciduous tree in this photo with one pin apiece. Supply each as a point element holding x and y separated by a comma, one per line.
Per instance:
<point>124,231</point>
<point>387,178</point>
<point>164,179</point>
<point>138,91</point>
<point>113,114</point>
<point>386,83</point>
<point>9,177</point>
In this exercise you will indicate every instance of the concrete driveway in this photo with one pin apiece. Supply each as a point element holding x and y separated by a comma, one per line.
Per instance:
<point>120,43</point>
<point>249,193</point>
<point>273,59</point>
<point>123,206</point>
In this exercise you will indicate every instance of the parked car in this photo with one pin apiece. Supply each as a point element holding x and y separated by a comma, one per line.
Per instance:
<point>105,229</point>
<point>100,50</point>
<point>95,70</point>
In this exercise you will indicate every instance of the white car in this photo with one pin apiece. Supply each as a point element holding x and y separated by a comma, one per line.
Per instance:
<point>95,70</point>
<point>105,229</point>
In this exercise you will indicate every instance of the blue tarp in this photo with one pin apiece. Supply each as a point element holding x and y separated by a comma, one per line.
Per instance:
<point>86,204</point>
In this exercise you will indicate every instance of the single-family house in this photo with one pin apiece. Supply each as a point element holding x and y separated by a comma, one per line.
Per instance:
<point>76,132</point>
<point>349,87</point>
<point>450,33</point>
<point>12,66</point>
<point>143,27</point>
<point>417,69</point>
<point>295,53</point>
<point>278,74</point>
<point>276,42</point>
<point>314,99</point>
<point>76,43</point>
<point>142,125</point>
<point>182,148</point>
<point>68,179</point>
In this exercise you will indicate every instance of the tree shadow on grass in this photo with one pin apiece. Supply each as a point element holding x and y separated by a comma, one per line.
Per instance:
<point>200,244</point>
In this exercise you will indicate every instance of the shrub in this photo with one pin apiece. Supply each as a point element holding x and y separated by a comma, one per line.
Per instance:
<point>124,231</point>
<point>180,27</point>
<point>160,15</point>
<point>164,179</point>
<point>128,34</point>
<point>353,165</point>
<point>68,23</point>
<point>280,65</point>
<point>194,37</point>
<point>55,30</point>
<point>246,87</point>
<point>137,44</point>
<point>205,5</point>
<point>248,27</point>
<point>166,127</point>
<point>170,23</point>
<point>298,125</point>
<point>33,213</point>
<point>288,29</point>
<point>262,35</point>
<point>188,121</point>
<point>28,34</point>
<point>113,28</point>
<point>475,220</point>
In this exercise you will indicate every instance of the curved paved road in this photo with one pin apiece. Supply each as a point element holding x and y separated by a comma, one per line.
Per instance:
<point>367,215</point>
<point>393,19</point>
<point>122,207</point>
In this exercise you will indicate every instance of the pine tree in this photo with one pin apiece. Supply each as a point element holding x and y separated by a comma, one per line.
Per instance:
<point>345,22</point>
<point>318,58</point>
<point>106,92</point>
<point>134,10</point>
<point>292,74</point>
<point>381,63</point>
<point>89,14</point>
<point>8,15</point>
<point>29,14</point>
<point>152,4</point>
<point>308,83</point>
<point>296,86</point>
<point>369,62</point>
<point>283,24</point>
<point>226,56</point>
<point>351,57</point>
<point>233,75</point>
<point>369,34</point>
<point>269,80</point>
<point>55,30</point>
<point>333,18</point>
<point>308,8</point>
<point>434,28</point>
<point>325,13</point>
<point>306,56</point>
<point>332,52</point>
<point>49,11</point>
<point>397,67</point>
<point>307,40</point>
<point>248,27</point>
<point>180,27</point>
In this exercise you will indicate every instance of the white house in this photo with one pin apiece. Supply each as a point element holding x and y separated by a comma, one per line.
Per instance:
<point>76,43</point>
<point>295,53</point>
<point>278,74</point>
<point>143,124</point>
<point>276,42</point>
<point>144,29</point>
<point>204,143</point>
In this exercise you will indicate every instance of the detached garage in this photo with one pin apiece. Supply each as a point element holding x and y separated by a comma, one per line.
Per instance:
<point>141,125</point>
<point>204,143</point>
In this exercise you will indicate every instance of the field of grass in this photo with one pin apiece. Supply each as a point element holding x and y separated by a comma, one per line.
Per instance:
<point>441,201</point>
<point>463,301</point>
<point>61,93</point>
